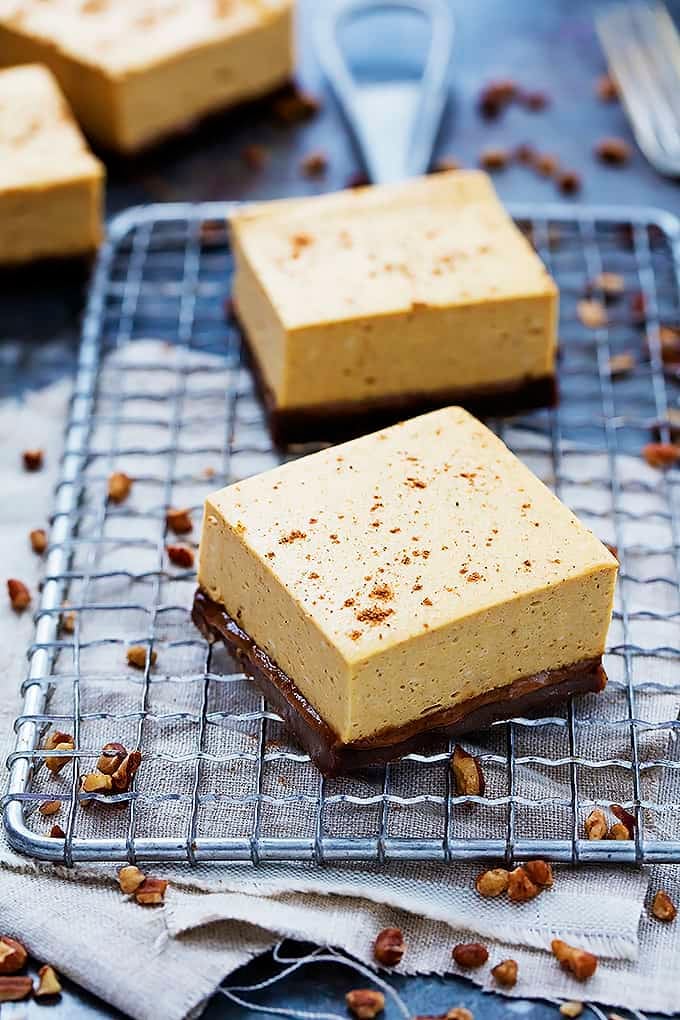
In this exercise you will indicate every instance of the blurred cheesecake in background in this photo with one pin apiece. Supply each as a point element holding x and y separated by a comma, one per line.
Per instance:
<point>368,305</point>
<point>134,71</point>
<point>50,183</point>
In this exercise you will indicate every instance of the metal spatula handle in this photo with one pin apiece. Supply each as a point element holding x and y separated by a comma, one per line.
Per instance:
<point>395,122</point>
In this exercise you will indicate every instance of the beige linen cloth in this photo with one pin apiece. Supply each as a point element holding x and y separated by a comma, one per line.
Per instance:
<point>166,962</point>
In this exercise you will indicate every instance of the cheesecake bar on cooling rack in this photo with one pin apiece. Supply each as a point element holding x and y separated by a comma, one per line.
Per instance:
<point>135,71</point>
<point>50,183</point>
<point>365,306</point>
<point>414,583</point>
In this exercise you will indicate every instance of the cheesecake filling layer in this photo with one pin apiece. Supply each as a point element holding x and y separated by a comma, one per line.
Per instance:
<point>400,575</point>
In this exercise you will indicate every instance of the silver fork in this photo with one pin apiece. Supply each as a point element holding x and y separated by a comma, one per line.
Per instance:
<point>643,51</point>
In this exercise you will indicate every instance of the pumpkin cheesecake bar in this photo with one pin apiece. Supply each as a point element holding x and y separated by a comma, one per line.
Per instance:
<point>361,307</point>
<point>135,71</point>
<point>414,583</point>
<point>50,183</point>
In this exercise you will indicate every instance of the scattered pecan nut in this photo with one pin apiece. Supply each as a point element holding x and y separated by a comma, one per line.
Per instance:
<point>540,873</point>
<point>13,955</point>
<point>492,883</point>
<point>120,485</point>
<point>621,364</point>
<point>49,807</point>
<point>136,656</point>
<point>663,907</point>
<point>596,825</point>
<point>112,757</point>
<point>126,771</point>
<point>180,555</point>
<point>606,88</point>
<point>661,455</point>
<point>613,151</point>
<point>521,889</point>
<point>389,947</point>
<point>49,985</point>
<point>467,773</point>
<point>14,989</point>
<point>505,973</point>
<point>19,595</point>
<point>459,1013</point>
<point>38,539</point>
<point>56,832</point>
<point>577,961</point>
<point>611,285</point>
<point>254,156</point>
<point>494,159</point>
<point>151,893</point>
<point>365,1003</point>
<point>96,782</point>
<point>546,164</point>
<point>669,339</point>
<point>638,307</point>
<point>571,1009</point>
<point>58,741</point>
<point>314,164</point>
<point>67,622</point>
<point>592,313</point>
<point>625,818</point>
<point>569,182</point>
<point>524,153</point>
<point>295,104</point>
<point>533,100</point>
<point>179,521</point>
<point>495,96</point>
<point>33,459</point>
<point>130,879</point>
<point>470,954</point>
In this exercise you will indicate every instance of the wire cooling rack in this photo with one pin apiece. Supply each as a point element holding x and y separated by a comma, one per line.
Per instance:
<point>219,780</point>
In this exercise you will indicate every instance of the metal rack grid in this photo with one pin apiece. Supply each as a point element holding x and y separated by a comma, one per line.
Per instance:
<point>164,273</point>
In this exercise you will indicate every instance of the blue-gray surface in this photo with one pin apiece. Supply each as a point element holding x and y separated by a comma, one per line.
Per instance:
<point>548,45</point>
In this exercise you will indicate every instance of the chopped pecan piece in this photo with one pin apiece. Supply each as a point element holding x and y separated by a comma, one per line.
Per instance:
<point>19,595</point>
<point>180,555</point>
<point>13,955</point>
<point>492,883</point>
<point>606,88</point>
<point>470,954</point>
<point>569,182</point>
<point>669,339</point>
<point>592,313</point>
<point>136,656</point>
<point>120,485</point>
<point>596,825</point>
<point>49,807</point>
<point>295,105</point>
<point>58,741</point>
<point>33,459</point>
<point>151,892</point>
<point>365,1003</point>
<point>111,758</point>
<point>179,521</point>
<point>577,961</point>
<point>14,989</point>
<point>618,831</point>
<point>56,832</point>
<point>95,782</point>
<point>621,364</point>
<point>540,873</point>
<point>663,907</point>
<point>445,163</point>
<point>525,154</point>
<point>126,772</point>
<point>68,622</point>
<point>520,886</point>
<point>38,540</point>
<point>48,985</point>
<point>494,159</point>
<point>495,96</point>
<point>389,947</point>
<point>545,164</point>
<point>661,455</point>
<point>534,100</point>
<point>130,879</point>
<point>467,773</point>
<point>314,164</point>
<point>613,151</point>
<point>625,818</point>
<point>571,1009</point>
<point>611,285</point>
<point>459,1013</point>
<point>505,973</point>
